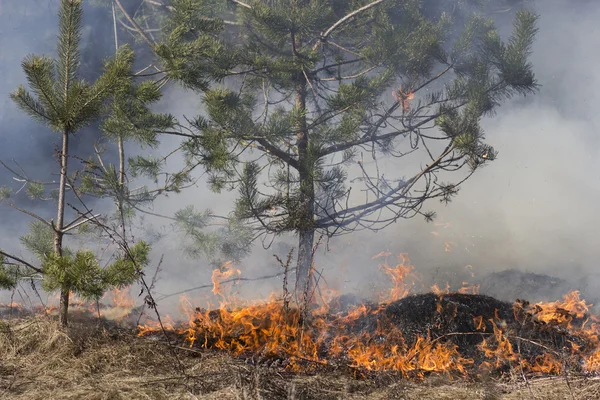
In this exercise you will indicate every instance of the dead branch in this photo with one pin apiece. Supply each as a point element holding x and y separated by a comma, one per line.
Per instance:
<point>20,260</point>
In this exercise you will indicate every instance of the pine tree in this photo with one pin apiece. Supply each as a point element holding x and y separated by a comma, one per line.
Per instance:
<point>129,119</point>
<point>65,103</point>
<point>298,92</point>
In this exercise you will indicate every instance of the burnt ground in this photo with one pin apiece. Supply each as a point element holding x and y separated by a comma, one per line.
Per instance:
<point>99,361</point>
<point>462,321</point>
<point>467,320</point>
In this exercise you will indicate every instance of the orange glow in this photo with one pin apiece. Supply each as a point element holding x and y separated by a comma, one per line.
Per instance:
<point>219,275</point>
<point>269,328</point>
<point>401,275</point>
<point>404,97</point>
<point>365,338</point>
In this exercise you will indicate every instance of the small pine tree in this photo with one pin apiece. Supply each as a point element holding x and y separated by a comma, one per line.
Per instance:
<point>63,102</point>
<point>129,119</point>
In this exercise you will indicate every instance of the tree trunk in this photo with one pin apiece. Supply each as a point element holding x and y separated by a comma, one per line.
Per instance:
<point>58,228</point>
<point>121,195</point>
<point>305,227</point>
<point>304,271</point>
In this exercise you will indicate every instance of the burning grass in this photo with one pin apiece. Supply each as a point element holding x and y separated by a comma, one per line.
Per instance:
<point>454,334</point>
<point>95,361</point>
<point>396,346</point>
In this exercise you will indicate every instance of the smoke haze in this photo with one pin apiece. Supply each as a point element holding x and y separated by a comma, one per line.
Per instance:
<point>533,209</point>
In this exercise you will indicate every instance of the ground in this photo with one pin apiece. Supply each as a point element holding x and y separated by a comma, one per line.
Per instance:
<point>98,361</point>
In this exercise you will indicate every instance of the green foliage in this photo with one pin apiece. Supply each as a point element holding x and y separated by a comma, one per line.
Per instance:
<point>82,274</point>
<point>131,118</point>
<point>145,166</point>
<point>59,99</point>
<point>229,242</point>
<point>191,51</point>
<point>35,190</point>
<point>5,192</point>
<point>126,269</point>
<point>308,86</point>
<point>8,275</point>
<point>39,240</point>
<point>12,271</point>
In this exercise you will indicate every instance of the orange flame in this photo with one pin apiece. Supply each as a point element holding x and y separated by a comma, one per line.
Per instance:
<point>272,328</point>
<point>225,272</point>
<point>404,97</point>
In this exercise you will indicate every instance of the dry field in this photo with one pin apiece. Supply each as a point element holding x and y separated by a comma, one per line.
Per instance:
<point>100,362</point>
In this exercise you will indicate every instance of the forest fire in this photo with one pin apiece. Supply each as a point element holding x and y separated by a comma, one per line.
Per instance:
<point>457,333</point>
<point>444,332</point>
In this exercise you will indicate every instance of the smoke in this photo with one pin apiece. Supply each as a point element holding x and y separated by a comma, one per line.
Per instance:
<point>533,209</point>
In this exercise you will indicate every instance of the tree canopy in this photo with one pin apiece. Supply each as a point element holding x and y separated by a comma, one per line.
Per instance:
<point>305,99</point>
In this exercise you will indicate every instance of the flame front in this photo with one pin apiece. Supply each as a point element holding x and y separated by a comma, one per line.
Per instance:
<point>305,339</point>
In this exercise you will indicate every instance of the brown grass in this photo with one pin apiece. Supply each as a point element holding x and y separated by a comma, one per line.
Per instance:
<point>101,362</point>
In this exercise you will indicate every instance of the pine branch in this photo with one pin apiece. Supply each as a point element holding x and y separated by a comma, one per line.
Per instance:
<point>343,20</point>
<point>387,199</point>
<point>138,28</point>
<point>40,75</point>
<point>68,45</point>
<point>31,214</point>
<point>242,4</point>
<point>31,106</point>
<point>277,152</point>
<point>19,260</point>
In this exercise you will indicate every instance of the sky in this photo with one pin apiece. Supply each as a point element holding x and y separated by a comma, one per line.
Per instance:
<point>533,209</point>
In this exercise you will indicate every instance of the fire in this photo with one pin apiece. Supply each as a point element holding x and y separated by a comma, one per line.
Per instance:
<point>425,355</point>
<point>225,272</point>
<point>404,97</point>
<point>122,298</point>
<point>436,289</point>
<point>368,337</point>
<point>444,225</point>
<point>398,275</point>
<point>304,340</point>
<point>562,312</point>
<point>469,289</point>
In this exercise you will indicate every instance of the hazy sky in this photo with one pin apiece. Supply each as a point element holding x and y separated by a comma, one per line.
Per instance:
<point>534,209</point>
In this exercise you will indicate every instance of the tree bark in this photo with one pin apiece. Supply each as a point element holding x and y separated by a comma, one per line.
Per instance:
<point>121,148</point>
<point>58,228</point>
<point>304,271</point>
<point>121,195</point>
<point>305,228</point>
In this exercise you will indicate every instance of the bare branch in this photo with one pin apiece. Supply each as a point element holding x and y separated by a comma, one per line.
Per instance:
<point>242,4</point>
<point>74,225</point>
<point>29,213</point>
<point>17,259</point>
<point>343,20</point>
<point>135,25</point>
<point>233,280</point>
<point>389,198</point>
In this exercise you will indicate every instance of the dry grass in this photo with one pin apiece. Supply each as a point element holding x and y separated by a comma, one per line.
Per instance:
<point>94,362</point>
